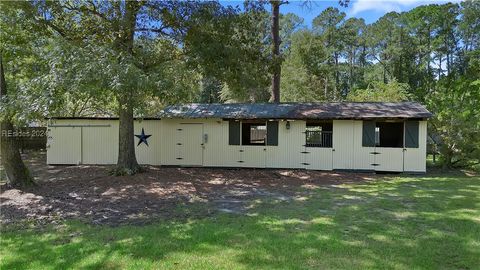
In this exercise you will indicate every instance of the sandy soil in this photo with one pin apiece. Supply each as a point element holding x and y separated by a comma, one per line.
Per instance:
<point>90,194</point>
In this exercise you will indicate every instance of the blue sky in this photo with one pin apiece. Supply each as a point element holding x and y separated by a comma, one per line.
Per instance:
<point>370,10</point>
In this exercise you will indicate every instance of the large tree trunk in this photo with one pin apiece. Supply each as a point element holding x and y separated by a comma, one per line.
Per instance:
<point>440,67</point>
<point>337,78</point>
<point>352,63</point>
<point>127,160</point>
<point>428,51</point>
<point>277,68</point>
<point>325,89</point>
<point>16,171</point>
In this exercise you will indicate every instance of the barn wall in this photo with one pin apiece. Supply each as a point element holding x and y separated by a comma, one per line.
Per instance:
<point>374,158</point>
<point>91,141</point>
<point>362,159</point>
<point>172,143</point>
<point>290,141</point>
<point>389,159</point>
<point>216,151</point>
<point>99,144</point>
<point>64,145</point>
<point>343,144</point>
<point>415,158</point>
<point>151,153</point>
<point>167,136</point>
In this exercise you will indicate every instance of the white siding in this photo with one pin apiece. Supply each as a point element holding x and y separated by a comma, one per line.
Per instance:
<point>388,159</point>
<point>343,144</point>
<point>150,154</point>
<point>362,159</point>
<point>96,142</point>
<point>93,144</point>
<point>253,156</point>
<point>190,144</point>
<point>317,158</point>
<point>216,153</point>
<point>169,139</point>
<point>288,153</point>
<point>233,156</point>
<point>64,145</point>
<point>415,158</point>
<point>100,144</point>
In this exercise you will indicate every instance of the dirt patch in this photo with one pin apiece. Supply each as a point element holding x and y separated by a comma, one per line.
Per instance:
<point>90,194</point>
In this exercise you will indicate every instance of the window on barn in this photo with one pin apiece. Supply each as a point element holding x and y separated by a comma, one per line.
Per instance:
<point>389,134</point>
<point>319,134</point>
<point>254,133</point>
<point>234,132</point>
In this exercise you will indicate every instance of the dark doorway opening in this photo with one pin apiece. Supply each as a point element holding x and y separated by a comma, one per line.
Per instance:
<point>389,134</point>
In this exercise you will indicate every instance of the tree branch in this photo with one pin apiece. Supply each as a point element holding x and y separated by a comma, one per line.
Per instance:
<point>52,26</point>
<point>155,30</point>
<point>84,9</point>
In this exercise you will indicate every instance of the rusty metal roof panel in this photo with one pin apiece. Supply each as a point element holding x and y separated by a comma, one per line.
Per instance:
<point>334,110</point>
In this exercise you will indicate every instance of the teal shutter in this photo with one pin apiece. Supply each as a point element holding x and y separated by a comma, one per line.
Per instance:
<point>272,133</point>
<point>368,134</point>
<point>234,132</point>
<point>411,134</point>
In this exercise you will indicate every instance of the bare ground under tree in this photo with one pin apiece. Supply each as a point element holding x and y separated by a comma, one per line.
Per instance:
<point>90,194</point>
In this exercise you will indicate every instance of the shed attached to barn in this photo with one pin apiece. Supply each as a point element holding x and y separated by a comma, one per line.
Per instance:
<point>318,136</point>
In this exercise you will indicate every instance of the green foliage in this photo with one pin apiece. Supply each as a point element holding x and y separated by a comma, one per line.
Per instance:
<point>235,55</point>
<point>23,59</point>
<point>92,77</point>
<point>457,121</point>
<point>211,91</point>
<point>381,92</point>
<point>289,24</point>
<point>238,51</point>
<point>305,69</point>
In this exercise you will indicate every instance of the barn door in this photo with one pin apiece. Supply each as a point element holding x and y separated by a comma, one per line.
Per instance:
<point>189,147</point>
<point>64,145</point>
<point>415,148</point>
<point>253,156</point>
<point>318,158</point>
<point>343,131</point>
<point>99,145</point>
<point>388,159</point>
<point>318,146</point>
<point>388,150</point>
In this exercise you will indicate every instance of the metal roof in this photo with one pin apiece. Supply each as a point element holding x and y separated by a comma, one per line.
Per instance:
<point>334,110</point>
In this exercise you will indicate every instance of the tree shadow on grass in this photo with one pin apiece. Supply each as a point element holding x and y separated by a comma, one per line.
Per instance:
<point>405,222</point>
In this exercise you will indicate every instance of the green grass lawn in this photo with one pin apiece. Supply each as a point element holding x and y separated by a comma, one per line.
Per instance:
<point>396,223</point>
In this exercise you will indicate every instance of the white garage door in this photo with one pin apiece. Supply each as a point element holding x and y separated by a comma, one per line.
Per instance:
<point>64,145</point>
<point>99,145</point>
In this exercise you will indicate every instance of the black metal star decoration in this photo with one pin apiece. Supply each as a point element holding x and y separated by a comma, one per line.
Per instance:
<point>142,138</point>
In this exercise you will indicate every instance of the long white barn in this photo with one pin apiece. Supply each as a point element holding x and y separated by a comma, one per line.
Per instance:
<point>317,136</point>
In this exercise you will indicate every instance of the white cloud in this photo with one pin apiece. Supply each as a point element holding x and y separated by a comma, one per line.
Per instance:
<point>389,5</point>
